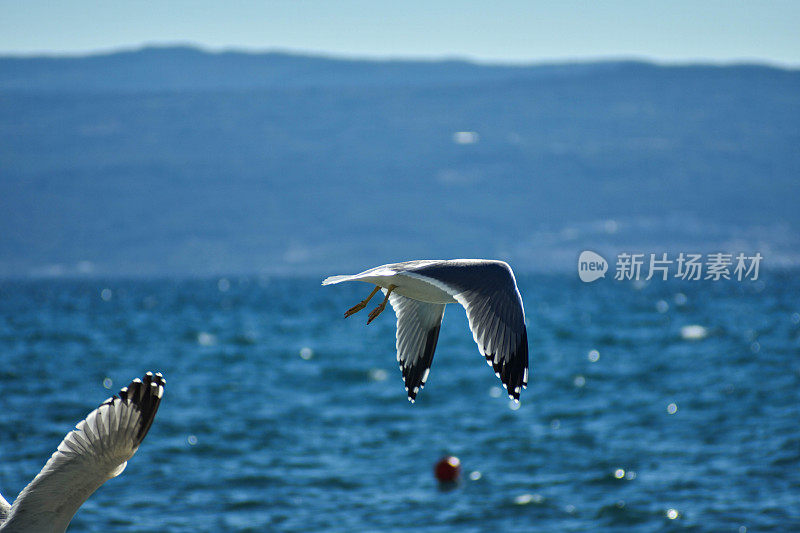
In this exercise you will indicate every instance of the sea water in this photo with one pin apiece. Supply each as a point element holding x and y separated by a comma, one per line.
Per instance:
<point>651,407</point>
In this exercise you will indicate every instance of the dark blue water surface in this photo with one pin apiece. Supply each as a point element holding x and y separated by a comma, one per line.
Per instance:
<point>281,415</point>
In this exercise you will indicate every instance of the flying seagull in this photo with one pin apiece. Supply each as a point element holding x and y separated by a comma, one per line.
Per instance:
<point>91,454</point>
<point>419,291</point>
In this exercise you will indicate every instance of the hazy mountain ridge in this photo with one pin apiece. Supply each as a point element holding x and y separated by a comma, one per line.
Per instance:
<point>179,161</point>
<point>190,69</point>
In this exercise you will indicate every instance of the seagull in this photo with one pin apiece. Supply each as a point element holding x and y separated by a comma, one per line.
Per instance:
<point>95,451</point>
<point>419,291</point>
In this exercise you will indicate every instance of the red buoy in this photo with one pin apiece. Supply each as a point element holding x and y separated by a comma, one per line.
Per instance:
<point>448,469</point>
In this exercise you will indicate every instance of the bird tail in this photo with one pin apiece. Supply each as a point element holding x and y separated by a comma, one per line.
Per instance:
<point>335,279</point>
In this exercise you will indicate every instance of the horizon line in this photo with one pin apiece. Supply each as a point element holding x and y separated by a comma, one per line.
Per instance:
<point>387,58</point>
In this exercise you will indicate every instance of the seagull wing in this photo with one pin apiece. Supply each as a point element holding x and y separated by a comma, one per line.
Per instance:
<point>418,326</point>
<point>91,454</point>
<point>4,509</point>
<point>488,291</point>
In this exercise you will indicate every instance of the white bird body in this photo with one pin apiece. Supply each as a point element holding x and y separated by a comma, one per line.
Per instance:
<point>94,452</point>
<point>419,291</point>
<point>408,284</point>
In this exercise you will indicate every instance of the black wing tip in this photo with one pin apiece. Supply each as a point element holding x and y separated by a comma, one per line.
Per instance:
<point>145,394</point>
<point>414,380</point>
<point>513,374</point>
<point>413,390</point>
<point>416,375</point>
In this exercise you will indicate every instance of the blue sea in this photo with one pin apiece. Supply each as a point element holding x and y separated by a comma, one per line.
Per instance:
<point>659,406</point>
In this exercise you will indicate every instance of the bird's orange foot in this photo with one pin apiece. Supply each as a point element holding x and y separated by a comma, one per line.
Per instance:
<point>375,312</point>
<point>362,304</point>
<point>355,309</point>
<point>378,310</point>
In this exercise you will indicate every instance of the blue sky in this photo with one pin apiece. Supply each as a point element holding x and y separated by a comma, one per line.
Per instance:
<point>497,31</point>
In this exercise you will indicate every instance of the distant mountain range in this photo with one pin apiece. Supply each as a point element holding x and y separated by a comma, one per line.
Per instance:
<point>170,161</point>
